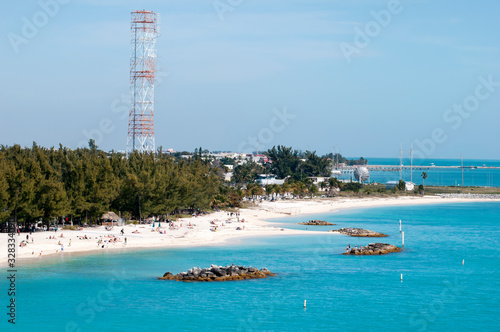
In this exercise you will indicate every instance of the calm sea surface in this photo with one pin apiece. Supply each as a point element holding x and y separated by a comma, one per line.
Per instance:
<point>120,292</point>
<point>437,176</point>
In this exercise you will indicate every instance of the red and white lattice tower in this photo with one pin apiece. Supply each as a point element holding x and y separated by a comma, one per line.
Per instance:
<point>141,131</point>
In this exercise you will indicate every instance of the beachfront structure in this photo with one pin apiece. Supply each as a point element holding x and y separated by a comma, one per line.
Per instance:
<point>141,132</point>
<point>319,179</point>
<point>113,218</point>
<point>265,179</point>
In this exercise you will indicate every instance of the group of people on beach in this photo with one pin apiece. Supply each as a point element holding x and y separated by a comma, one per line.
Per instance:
<point>83,237</point>
<point>173,226</point>
<point>111,239</point>
<point>104,240</point>
<point>24,243</point>
<point>215,226</point>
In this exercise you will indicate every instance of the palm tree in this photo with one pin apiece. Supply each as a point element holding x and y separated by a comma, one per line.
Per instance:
<point>270,190</point>
<point>424,176</point>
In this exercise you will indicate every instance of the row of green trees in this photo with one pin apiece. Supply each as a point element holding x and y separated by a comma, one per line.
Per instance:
<point>38,183</point>
<point>337,158</point>
<point>43,184</point>
<point>292,163</point>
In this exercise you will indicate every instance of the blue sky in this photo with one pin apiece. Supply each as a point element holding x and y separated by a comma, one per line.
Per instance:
<point>304,73</point>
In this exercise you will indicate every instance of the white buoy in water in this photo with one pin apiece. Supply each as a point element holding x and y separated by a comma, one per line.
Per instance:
<point>401,277</point>
<point>403,238</point>
<point>399,225</point>
<point>305,301</point>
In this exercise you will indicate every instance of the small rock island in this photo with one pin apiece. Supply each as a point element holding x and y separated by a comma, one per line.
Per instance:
<point>373,249</point>
<point>219,273</point>
<point>359,232</point>
<point>316,223</point>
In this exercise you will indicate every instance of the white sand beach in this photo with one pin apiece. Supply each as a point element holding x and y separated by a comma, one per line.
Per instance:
<point>196,231</point>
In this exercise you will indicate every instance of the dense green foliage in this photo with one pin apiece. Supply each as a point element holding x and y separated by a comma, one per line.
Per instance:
<point>338,158</point>
<point>42,184</point>
<point>285,161</point>
<point>299,165</point>
<point>47,184</point>
<point>247,172</point>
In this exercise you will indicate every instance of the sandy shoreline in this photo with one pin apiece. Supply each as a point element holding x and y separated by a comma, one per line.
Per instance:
<point>198,234</point>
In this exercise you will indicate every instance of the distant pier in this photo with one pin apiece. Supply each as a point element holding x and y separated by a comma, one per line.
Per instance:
<point>397,168</point>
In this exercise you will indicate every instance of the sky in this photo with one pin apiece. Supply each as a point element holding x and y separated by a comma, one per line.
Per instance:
<point>362,77</point>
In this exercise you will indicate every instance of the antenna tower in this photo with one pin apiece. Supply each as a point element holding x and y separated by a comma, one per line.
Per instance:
<point>141,131</point>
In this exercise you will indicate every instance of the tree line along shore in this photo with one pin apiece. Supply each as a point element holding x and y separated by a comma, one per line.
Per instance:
<point>56,184</point>
<point>51,184</point>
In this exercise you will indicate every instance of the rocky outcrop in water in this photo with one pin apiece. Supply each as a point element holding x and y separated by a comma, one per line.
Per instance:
<point>359,232</point>
<point>316,223</point>
<point>219,273</point>
<point>373,249</point>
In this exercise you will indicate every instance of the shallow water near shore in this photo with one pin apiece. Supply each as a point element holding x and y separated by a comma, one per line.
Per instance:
<point>120,292</point>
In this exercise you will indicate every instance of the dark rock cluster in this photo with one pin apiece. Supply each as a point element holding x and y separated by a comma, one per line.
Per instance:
<point>359,232</point>
<point>316,223</point>
<point>219,273</point>
<point>373,249</point>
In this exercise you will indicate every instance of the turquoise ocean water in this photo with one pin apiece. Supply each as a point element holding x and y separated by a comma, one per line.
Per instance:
<point>120,292</point>
<point>486,177</point>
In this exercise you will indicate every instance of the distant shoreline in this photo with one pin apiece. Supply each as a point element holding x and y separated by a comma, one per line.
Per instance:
<point>258,222</point>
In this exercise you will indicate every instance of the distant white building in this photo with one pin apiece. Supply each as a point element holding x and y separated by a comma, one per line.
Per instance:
<point>336,173</point>
<point>258,158</point>
<point>265,179</point>
<point>318,179</point>
<point>394,184</point>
